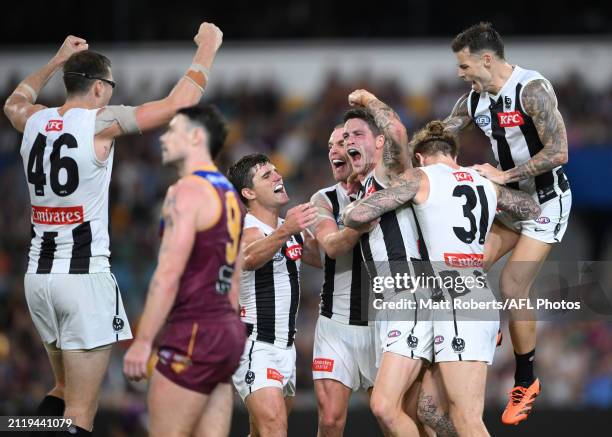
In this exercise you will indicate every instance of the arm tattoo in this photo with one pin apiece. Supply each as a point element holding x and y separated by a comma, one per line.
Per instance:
<point>169,209</point>
<point>459,117</point>
<point>518,203</point>
<point>540,103</point>
<point>435,418</point>
<point>395,153</point>
<point>399,193</point>
<point>323,211</point>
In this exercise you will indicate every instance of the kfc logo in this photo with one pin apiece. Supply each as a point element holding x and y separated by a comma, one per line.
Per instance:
<point>463,176</point>
<point>510,119</point>
<point>294,252</point>
<point>54,126</point>
<point>464,260</point>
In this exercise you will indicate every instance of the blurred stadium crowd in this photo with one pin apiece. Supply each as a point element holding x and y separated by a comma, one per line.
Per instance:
<point>574,361</point>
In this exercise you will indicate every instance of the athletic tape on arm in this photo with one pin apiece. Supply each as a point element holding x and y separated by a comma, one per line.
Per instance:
<point>124,115</point>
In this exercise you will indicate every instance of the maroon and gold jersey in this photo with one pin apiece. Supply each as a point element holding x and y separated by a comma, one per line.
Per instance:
<point>207,278</point>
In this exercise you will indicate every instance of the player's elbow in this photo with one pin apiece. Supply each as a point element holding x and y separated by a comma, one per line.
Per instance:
<point>562,158</point>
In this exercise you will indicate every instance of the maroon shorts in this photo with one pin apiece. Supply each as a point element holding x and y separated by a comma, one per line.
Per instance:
<point>198,355</point>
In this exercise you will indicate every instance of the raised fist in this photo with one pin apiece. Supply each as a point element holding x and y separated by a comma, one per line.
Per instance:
<point>72,44</point>
<point>360,98</point>
<point>209,34</point>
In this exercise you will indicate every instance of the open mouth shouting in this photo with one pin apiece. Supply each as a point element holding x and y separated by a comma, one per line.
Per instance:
<point>279,188</point>
<point>338,163</point>
<point>354,154</point>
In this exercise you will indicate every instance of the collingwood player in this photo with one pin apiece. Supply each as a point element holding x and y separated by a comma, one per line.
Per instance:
<point>455,207</point>
<point>517,110</point>
<point>269,292</point>
<point>344,357</point>
<point>67,154</point>
<point>377,144</point>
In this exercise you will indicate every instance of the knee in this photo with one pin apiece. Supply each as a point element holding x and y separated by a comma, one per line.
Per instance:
<point>512,284</point>
<point>383,410</point>
<point>270,420</point>
<point>466,418</point>
<point>331,418</point>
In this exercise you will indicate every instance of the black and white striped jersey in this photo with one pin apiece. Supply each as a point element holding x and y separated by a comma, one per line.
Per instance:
<point>68,193</point>
<point>512,133</point>
<point>389,248</point>
<point>270,295</point>
<point>341,291</point>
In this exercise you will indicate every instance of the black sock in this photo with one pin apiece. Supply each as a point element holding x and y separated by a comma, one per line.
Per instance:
<point>523,375</point>
<point>49,406</point>
<point>74,431</point>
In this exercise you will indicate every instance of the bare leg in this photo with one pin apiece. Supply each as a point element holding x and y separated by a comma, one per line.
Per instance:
<point>433,404</point>
<point>217,416</point>
<point>332,403</point>
<point>268,412</point>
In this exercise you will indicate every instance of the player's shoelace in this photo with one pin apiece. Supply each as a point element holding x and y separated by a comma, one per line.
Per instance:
<point>517,394</point>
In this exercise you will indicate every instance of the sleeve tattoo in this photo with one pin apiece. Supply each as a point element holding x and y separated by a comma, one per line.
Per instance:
<point>518,203</point>
<point>435,418</point>
<point>459,117</point>
<point>401,191</point>
<point>395,151</point>
<point>540,103</point>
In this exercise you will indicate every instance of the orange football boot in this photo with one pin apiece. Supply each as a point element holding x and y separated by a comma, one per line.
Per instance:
<point>520,403</point>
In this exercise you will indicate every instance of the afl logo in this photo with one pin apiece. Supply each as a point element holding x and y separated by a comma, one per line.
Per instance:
<point>294,252</point>
<point>543,220</point>
<point>118,324</point>
<point>483,120</point>
<point>394,333</point>
<point>439,339</point>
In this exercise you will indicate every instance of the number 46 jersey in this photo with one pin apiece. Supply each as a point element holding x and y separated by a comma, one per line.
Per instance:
<point>457,215</point>
<point>68,193</point>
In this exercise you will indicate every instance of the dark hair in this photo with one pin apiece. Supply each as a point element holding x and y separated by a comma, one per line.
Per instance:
<point>209,118</point>
<point>479,37</point>
<point>364,115</point>
<point>434,139</point>
<point>91,63</point>
<point>241,173</point>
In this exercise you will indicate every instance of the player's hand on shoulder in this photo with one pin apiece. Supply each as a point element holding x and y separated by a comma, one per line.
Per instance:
<point>491,173</point>
<point>72,44</point>
<point>209,34</point>
<point>360,98</point>
<point>300,217</point>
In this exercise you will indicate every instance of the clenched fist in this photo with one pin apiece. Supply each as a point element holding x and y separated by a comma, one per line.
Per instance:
<point>72,44</point>
<point>209,35</point>
<point>360,98</point>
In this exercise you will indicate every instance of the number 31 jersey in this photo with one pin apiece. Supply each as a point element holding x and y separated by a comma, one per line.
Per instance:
<point>457,215</point>
<point>68,193</point>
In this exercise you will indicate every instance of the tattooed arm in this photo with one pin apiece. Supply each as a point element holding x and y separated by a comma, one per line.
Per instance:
<point>396,156</point>
<point>518,203</point>
<point>539,101</point>
<point>459,117</point>
<point>402,190</point>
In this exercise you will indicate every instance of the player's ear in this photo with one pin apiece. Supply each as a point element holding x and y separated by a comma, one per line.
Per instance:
<point>98,89</point>
<point>198,136</point>
<point>248,193</point>
<point>380,141</point>
<point>487,59</point>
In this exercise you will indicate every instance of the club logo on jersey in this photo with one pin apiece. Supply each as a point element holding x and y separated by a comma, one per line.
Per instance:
<point>46,215</point>
<point>118,324</point>
<point>278,256</point>
<point>275,375</point>
<point>249,378</point>
<point>294,252</point>
<point>507,102</point>
<point>482,120</point>
<point>439,339</point>
<point>54,126</point>
<point>412,341</point>
<point>394,333</point>
<point>462,176</point>
<point>458,344</point>
<point>464,259</point>
<point>510,119</point>
<point>543,220</point>
<point>322,365</point>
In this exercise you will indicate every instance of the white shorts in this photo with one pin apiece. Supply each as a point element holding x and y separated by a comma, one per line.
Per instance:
<point>77,311</point>
<point>408,333</point>
<point>550,226</point>
<point>465,340</point>
<point>344,353</point>
<point>265,365</point>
